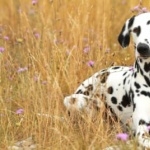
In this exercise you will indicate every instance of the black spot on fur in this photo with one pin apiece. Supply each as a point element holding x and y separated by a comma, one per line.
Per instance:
<point>129,81</point>
<point>137,30</point>
<point>110,90</point>
<point>138,69</point>
<point>141,60</point>
<point>124,73</point>
<point>114,100</point>
<point>145,93</point>
<point>90,87</point>
<point>131,22</point>
<point>126,101</point>
<point>146,40</point>
<point>134,106</point>
<point>148,22</point>
<point>103,70</point>
<point>86,93</point>
<point>135,75</point>
<point>145,85</point>
<point>132,74</point>
<point>137,66</point>
<point>142,122</point>
<point>120,108</point>
<point>103,77</point>
<point>115,68</point>
<point>131,93</point>
<point>147,80</point>
<point>141,71</point>
<point>79,92</point>
<point>124,81</point>
<point>137,85</point>
<point>124,40</point>
<point>147,67</point>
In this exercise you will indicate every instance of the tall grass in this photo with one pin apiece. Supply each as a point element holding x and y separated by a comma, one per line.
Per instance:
<point>42,60</point>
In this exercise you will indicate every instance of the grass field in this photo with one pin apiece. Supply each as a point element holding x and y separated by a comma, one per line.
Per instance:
<point>45,48</point>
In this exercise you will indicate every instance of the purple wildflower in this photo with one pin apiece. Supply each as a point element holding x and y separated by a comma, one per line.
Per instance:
<point>90,63</point>
<point>2,49</point>
<point>122,136</point>
<point>36,78</point>
<point>44,82</point>
<point>124,2</point>
<point>19,10</point>
<point>86,49</point>
<point>131,68</point>
<point>19,111</point>
<point>136,8</point>
<point>139,9</point>
<point>144,10</point>
<point>107,50</point>
<point>22,69</point>
<point>68,52</point>
<point>6,38</point>
<point>34,2</point>
<point>37,35</point>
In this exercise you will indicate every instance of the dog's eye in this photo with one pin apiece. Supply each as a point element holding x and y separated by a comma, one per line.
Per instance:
<point>137,30</point>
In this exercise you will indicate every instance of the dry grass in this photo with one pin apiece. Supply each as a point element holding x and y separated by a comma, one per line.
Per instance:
<point>46,41</point>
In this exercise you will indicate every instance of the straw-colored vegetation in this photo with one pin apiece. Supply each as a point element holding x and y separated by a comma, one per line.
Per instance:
<point>44,51</point>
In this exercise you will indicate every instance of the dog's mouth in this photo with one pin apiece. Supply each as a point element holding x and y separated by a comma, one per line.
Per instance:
<point>144,56</point>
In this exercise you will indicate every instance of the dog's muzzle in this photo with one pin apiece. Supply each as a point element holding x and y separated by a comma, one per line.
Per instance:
<point>143,49</point>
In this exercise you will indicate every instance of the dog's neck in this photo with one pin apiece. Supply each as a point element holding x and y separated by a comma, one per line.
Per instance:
<point>142,64</point>
<point>142,69</point>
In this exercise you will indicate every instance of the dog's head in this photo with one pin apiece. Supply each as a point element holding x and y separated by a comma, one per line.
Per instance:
<point>139,28</point>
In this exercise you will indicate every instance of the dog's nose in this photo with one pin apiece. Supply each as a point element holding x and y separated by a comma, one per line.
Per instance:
<point>143,49</point>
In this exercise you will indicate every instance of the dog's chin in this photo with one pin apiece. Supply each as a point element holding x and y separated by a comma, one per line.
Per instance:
<point>143,56</point>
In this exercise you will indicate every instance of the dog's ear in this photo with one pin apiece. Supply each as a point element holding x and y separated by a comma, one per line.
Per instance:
<point>124,36</point>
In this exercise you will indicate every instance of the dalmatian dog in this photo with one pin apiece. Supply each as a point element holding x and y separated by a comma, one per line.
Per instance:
<point>125,90</point>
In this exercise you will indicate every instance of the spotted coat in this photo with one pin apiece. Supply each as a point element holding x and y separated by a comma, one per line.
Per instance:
<point>125,90</point>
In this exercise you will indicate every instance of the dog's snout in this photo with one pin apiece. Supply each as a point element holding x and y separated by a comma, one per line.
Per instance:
<point>143,49</point>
